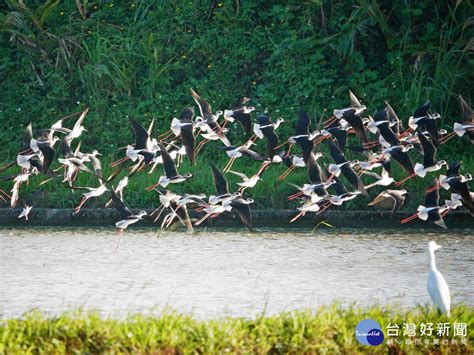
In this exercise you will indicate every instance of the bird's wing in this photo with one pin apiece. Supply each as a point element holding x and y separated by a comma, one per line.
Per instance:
<point>314,172</point>
<point>204,107</point>
<point>141,134</point>
<point>26,138</point>
<point>303,123</point>
<point>241,175</point>
<point>336,152</point>
<point>220,183</point>
<point>422,111</point>
<point>245,120</point>
<point>432,198</point>
<point>429,150</point>
<point>48,156</point>
<point>120,205</point>
<point>467,112</point>
<point>187,114</point>
<point>188,140</point>
<point>96,165</point>
<point>80,119</point>
<point>168,163</point>
<point>252,154</point>
<point>404,160</point>
<point>244,213</point>
<point>354,100</point>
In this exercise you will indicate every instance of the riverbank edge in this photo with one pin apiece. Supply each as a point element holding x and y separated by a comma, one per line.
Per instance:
<point>261,218</point>
<point>329,328</point>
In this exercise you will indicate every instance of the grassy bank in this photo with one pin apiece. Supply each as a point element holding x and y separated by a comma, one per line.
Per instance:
<point>329,330</point>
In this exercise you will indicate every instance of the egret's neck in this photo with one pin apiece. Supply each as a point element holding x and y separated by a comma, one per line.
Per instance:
<point>432,261</point>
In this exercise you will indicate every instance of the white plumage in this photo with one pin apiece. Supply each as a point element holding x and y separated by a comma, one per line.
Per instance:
<point>437,286</point>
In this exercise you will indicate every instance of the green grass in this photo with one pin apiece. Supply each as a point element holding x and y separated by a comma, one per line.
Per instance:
<point>329,330</point>
<point>139,59</point>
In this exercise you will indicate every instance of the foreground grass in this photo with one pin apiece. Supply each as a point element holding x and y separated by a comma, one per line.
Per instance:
<point>329,330</point>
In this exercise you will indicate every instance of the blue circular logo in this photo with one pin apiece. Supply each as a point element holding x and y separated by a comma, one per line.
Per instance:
<point>369,332</point>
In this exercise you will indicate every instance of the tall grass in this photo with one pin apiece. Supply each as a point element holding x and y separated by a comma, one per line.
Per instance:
<point>327,330</point>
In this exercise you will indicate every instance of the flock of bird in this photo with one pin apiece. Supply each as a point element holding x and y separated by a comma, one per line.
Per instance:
<point>383,139</point>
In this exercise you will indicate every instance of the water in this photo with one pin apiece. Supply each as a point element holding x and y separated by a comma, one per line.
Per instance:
<point>215,273</point>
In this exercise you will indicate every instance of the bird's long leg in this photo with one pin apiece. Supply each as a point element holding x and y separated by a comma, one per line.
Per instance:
<point>295,195</point>
<point>26,151</point>
<point>219,131</point>
<point>263,167</point>
<point>78,208</point>
<point>253,138</point>
<point>6,194</point>
<point>361,172</point>
<point>215,215</point>
<point>408,219</point>
<point>162,208</point>
<point>149,188</point>
<point>448,137</point>
<point>280,145</point>
<point>369,145</point>
<point>432,188</point>
<point>156,210</point>
<point>229,165</point>
<point>407,132</point>
<point>200,145</point>
<point>167,133</point>
<point>329,121</point>
<point>405,179</point>
<point>445,213</point>
<point>297,216</point>
<point>286,173</point>
<point>319,140</point>
<point>289,150</point>
<point>120,161</point>
<point>202,219</point>
<point>330,178</point>
<point>324,207</point>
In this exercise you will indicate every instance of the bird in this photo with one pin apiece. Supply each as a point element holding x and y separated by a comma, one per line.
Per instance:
<point>422,117</point>
<point>244,150</point>
<point>396,196</point>
<point>438,288</point>
<point>459,184</point>
<point>241,113</point>
<point>184,128</point>
<point>127,216</point>
<point>171,173</point>
<point>25,212</point>
<point>208,121</point>
<point>266,128</point>
<point>399,153</point>
<point>236,201</point>
<point>78,127</point>
<point>356,123</point>
<point>431,211</point>
<point>93,192</point>
<point>246,181</point>
<point>343,165</point>
<point>429,163</point>
<point>467,123</point>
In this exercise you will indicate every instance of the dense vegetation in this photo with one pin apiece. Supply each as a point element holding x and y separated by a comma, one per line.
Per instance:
<point>329,330</point>
<point>140,58</point>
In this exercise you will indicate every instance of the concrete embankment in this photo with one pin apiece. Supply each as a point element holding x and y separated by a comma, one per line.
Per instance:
<point>261,218</point>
